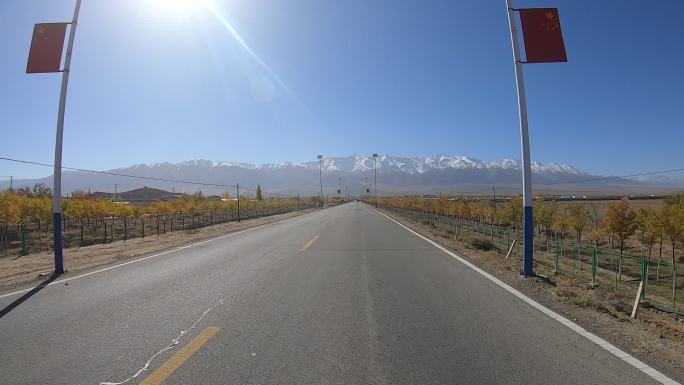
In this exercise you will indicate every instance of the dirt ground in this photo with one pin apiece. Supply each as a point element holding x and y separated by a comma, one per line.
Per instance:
<point>16,271</point>
<point>654,337</point>
<point>601,206</point>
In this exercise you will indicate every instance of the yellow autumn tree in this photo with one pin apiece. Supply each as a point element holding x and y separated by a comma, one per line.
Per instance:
<point>9,208</point>
<point>620,220</point>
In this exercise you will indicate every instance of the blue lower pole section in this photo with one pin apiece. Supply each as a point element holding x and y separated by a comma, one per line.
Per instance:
<point>59,260</point>
<point>528,228</point>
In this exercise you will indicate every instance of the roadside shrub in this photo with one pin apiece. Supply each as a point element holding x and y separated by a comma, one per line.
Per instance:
<point>482,244</point>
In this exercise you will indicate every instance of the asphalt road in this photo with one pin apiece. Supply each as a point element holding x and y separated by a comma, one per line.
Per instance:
<point>340,296</point>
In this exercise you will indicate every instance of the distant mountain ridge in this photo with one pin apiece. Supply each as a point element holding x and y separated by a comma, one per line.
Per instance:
<point>361,163</point>
<point>396,175</point>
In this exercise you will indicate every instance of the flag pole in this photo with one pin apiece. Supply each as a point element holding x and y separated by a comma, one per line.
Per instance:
<point>57,184</point>
<point>528,223</point>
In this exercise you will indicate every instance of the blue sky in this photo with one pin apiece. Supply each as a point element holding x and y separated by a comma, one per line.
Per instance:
<point>151,83</point>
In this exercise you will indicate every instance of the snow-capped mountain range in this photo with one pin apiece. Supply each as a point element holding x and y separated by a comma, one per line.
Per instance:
<point>362,163</point>
<point>396,175</point>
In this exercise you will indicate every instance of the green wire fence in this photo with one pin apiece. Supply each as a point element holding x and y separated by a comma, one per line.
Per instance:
<point>663,280</point>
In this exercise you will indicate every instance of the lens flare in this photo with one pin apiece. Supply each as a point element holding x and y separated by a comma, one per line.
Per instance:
<point>183,8</point>
<point>215,11</point>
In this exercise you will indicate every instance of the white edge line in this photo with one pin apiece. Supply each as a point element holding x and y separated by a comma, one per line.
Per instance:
<point>151,256</point>
<point>641,366</point>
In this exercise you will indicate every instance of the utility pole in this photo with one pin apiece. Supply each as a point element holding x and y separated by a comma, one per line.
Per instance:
<point>320,176</point>
<point>115,186</point>
<point>375,170</point>
<point>238,201</point>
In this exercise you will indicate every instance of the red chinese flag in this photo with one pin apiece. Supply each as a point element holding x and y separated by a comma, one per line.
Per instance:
<point>542,35</point>
<point>46,48</point>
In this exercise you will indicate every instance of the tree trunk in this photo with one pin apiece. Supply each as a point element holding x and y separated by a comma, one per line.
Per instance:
<point>622,246</point>
<point>674,277</point>
<point>650,247</point>
<point>579,253</point>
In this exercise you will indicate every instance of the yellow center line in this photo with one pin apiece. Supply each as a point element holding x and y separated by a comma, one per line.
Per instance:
<point>308,244</point>
<point>175,362</point>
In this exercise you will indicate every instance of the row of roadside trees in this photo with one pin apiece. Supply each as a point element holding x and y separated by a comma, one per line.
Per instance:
<point>26,216</point>
<point>620,226</point>
<point>26,205</point>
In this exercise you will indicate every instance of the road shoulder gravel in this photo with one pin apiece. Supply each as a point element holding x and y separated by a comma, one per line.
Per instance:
<point>19,272</point>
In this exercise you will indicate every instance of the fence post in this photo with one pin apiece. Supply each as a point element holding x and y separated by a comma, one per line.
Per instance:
<point>617,271</point>
<point>674,286</point>
<point>555,264</point>
<point>491,230</point>
<point>594,265</point>
<point>644,277</point>
<point>23,239</point>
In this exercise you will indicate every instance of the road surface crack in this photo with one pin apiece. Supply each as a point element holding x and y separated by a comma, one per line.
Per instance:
<point>183,333</point>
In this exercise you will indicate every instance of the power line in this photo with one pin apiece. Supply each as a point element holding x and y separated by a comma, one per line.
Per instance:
<point>133,176</point>
<point>587,180</point>
<point>117,174</point>
<point>614,177</point>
